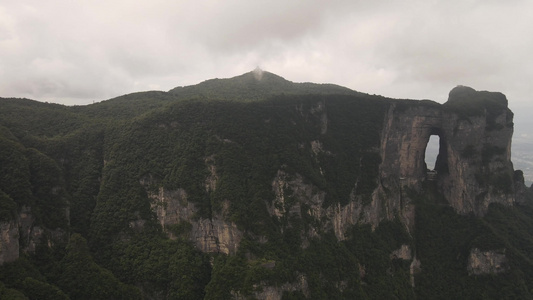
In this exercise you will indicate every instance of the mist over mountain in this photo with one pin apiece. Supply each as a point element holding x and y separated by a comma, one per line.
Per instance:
<point>255,85</point>
<point>256,187</point>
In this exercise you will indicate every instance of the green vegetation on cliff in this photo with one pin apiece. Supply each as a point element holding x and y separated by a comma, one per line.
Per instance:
<point>84,178</point>
<point>254,86</point>
<point>468,102</point>
<point>444,241</point>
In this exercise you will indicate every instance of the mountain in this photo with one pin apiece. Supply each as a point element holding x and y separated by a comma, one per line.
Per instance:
<point>255,85</point>
<point>255,187</point>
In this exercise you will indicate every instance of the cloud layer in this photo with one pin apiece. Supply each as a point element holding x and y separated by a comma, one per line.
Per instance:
<point>76,52</point>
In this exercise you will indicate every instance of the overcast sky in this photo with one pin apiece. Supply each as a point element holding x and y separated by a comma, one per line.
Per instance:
<point>77,52</point>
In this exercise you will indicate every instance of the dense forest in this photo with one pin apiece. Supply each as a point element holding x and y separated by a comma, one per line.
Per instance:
<point>79,183</point>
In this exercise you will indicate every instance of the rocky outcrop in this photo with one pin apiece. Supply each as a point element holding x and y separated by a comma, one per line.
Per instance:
<point>404,252</point>
<point>22,235</point>
<point>179,216</point>
<point>294,196</point>
<point>414,268</point>
<point>268,292</point>
<point>9,241</point>
<point>473,166</point>
<point>216,235</point>
<point>30,234</point>
<point>522,192</point>
<point>487,262</point>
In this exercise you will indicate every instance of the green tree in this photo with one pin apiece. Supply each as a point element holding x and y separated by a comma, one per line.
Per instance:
<point>82,278</point>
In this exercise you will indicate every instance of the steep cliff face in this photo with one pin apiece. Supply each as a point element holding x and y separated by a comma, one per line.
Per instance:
<point>487,262</point>
<point>9,242</point>
<point>267,292</point>
<point>33,202</point>
<point>178,216</point>
<point>30,233</point>
<point>22,235</point>
<point>295,196</point>
<point>473,167</point>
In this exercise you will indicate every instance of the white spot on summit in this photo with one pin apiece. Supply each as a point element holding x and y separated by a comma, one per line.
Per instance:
<point>258,73</point>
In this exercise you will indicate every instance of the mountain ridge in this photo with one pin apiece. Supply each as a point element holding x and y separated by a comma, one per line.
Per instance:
<point>241,192</point>
<point>255,85</point>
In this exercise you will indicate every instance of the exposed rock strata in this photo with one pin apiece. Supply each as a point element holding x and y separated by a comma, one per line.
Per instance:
<point>9,241</point>
<point>487,262</point>
<point>473,170</point>
<point>474,166</point>
<point>176,213</point>
<point>268,292</point>
<point>404,252</point>
<point>294,196</point>
<point>22,235</point>
<point>414,268</point>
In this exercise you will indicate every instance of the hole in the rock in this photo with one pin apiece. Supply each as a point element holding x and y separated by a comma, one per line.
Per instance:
<point>432,151</point>
<point>436,155</point>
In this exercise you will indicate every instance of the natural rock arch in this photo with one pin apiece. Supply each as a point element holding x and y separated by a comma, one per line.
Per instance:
<point>475,131</point>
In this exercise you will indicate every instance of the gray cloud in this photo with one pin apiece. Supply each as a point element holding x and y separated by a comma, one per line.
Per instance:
<point>80,51</point>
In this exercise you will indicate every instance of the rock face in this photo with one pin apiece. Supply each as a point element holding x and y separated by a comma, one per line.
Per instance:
<point>178,216</point>
<point>267,292</point>
<point>293,196</point>
<point>404,252</point>
<point>23,235</point>
<point>487,262</point>
<point>473,166</point>
<point>473,169</point>
<point>9,242</point>
<point>276,293</point>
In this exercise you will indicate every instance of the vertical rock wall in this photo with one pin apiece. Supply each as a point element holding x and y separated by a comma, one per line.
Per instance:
<point>473,167</point>
<point>177,215</point>
<point>487,262</point>
<point>23,235</point>
<point>9,241</point>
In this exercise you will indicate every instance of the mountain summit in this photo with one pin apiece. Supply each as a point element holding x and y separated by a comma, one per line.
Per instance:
<point>255,85</point>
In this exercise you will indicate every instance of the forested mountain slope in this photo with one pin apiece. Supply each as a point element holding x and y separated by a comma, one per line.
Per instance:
<point>255,187</point>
